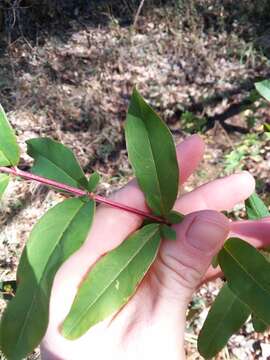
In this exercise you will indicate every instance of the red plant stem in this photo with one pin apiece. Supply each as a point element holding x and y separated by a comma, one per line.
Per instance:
<point>79,192</point>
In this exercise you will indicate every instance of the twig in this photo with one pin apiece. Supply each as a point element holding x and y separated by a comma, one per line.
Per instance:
<point>78,192</point>
<point>138,13</point>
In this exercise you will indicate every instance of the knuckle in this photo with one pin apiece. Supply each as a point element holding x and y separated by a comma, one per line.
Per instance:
<point>183,273</point>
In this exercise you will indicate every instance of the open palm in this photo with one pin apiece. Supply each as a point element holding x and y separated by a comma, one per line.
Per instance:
<point>151,325</point>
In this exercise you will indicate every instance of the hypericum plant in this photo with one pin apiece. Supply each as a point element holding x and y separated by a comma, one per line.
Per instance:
<point>63,229</point>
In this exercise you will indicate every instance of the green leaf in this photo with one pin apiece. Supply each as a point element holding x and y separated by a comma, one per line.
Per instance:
<point>175,217</point>
<point>266,253</point>
<point>147,221</point>
<point>255,207</point>
<point>56,162</point>
<point>226,316</point>
<point>112,281</point>
<point>9,149</point>
<point>247,272</point>
<point>93,181</point>
<point>57,235</point>
<point>167,232</point>
<point>4,180</point>
<point>263,88</point>
<point>214,261</point>
<point>258,324</point>
<point>152,155</point>
<point>266,127</point>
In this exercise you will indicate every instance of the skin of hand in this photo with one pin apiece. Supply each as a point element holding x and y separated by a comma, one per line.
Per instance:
<point>152,324</point>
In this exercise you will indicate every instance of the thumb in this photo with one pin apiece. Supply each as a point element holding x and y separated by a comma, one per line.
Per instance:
<point>185,261</point>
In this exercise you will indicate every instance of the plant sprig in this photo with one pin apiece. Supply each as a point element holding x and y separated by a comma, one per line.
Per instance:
<point>64,228</point>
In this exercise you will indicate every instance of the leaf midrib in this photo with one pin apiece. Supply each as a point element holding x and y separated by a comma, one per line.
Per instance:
<point>151,148</point>
<point>37,288</point>
<point>5,156</point>
<point>267,291</point>
<point>257,211</point>
<point>158,178</point>
<point>223,317</point>
<point>111,282</point>
<point>156,175</point>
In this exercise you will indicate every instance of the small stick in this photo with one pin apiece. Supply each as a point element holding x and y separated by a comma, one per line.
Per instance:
<point>138,14</point>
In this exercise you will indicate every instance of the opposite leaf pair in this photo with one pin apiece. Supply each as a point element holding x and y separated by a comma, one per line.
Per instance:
<point>114,279</point>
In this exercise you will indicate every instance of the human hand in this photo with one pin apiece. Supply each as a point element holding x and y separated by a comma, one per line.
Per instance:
<point>152,324</point>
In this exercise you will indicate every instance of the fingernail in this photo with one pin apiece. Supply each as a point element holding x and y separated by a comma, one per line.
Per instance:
<point>207,234</point>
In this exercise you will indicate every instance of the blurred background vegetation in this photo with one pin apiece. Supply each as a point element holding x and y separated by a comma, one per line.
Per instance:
<point>35,13</point>
<point>67,69</point>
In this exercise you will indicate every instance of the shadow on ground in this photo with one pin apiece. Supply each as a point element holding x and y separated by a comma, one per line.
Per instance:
<point>30,18</point>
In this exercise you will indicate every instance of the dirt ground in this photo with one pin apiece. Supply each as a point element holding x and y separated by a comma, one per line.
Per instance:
<point>74,85</point>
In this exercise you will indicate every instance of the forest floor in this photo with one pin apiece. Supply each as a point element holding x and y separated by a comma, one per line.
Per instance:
<point>74,85</point>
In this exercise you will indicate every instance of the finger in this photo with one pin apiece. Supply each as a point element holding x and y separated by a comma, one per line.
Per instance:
<point>220,194</point>
<point>189,154</point>
<point>185,261</point>
<point>256,232</point>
